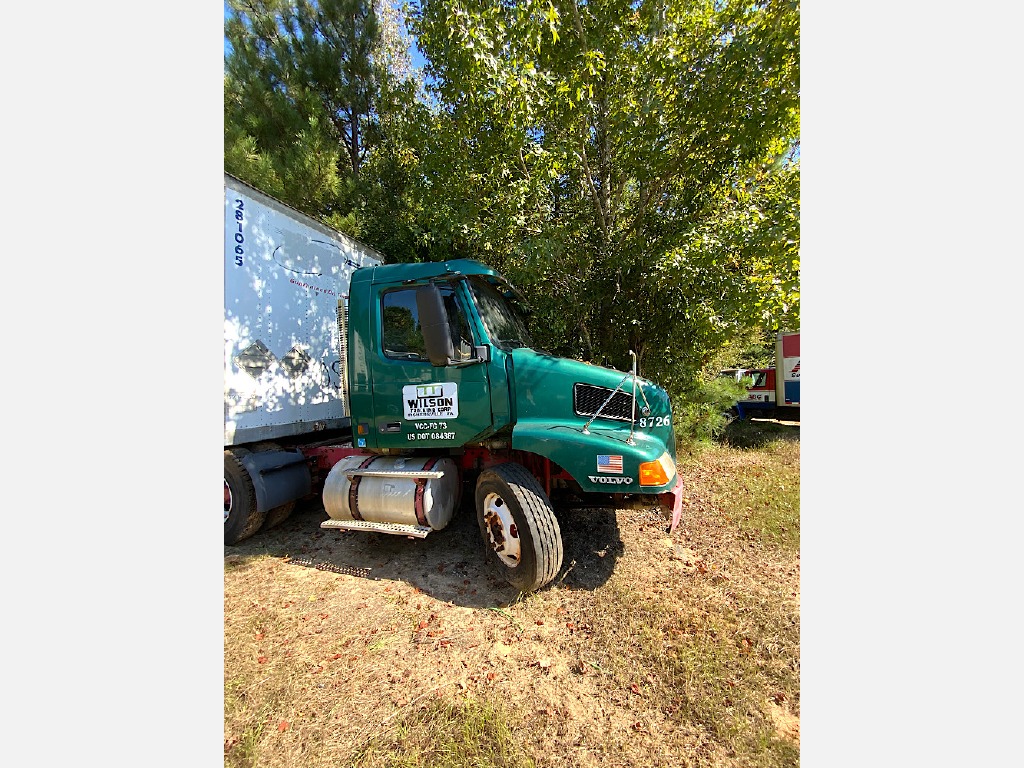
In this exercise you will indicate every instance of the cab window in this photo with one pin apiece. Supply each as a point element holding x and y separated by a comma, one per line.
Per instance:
<point>401,334</point>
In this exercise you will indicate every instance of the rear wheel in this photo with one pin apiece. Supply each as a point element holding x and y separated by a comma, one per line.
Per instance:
<point>518,525</point>
<point>241,519</point>
<point>279,514</point>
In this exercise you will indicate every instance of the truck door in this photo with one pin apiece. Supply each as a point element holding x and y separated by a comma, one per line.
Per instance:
<point>415,404</point>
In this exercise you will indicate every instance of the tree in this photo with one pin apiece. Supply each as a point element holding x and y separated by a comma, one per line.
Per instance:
<point>625,162</point>
<point>312,88</point>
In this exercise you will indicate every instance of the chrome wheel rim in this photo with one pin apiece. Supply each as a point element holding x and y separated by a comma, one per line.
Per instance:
<point>502,532</point>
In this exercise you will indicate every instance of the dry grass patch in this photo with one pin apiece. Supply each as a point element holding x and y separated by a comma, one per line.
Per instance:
<point>649,649</point>
<point>447,734</point>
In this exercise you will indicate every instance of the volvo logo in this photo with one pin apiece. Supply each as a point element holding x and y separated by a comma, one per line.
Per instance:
<point>611,480</point>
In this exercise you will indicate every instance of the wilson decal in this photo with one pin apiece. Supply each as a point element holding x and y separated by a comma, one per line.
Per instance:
<point>431,401</point>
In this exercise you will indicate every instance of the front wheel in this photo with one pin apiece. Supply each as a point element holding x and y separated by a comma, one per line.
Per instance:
<point>518,525</point>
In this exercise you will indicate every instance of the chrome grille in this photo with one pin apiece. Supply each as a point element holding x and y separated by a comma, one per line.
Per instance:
<point>586,399</point>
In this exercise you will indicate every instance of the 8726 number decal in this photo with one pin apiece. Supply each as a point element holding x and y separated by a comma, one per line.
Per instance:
<point>655,421</point>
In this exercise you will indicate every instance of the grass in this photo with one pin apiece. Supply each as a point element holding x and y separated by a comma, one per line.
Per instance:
<point>758,484</point>
<point>448,734</point>
<point>721,655</point>
<point>684,653</point>
<point>713,674</point>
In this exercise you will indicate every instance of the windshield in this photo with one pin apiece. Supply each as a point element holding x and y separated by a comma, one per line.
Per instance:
<point>501,318</point>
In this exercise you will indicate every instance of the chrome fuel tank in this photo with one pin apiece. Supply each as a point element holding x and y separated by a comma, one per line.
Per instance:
<point>421,490</point>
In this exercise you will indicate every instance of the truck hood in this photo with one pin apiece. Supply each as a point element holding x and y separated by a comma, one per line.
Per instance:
<point>555,398</point>
<point>544,385</point>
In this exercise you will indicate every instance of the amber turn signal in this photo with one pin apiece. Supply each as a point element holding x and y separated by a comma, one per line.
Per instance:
<point>658,472</point>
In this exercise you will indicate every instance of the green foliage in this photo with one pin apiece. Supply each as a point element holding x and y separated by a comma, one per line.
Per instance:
<point>631,166</point>
<point>315,100</point>
<point>701,410</point>
<point>756,350</point>
<point>627,165</point>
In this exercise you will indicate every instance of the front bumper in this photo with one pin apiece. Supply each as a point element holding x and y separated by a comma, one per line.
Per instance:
<point>673,501</point>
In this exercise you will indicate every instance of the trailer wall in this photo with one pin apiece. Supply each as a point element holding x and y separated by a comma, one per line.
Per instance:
<point>286,281</point>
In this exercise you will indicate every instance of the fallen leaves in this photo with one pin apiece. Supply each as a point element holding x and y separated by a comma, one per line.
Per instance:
<point>571,664</point>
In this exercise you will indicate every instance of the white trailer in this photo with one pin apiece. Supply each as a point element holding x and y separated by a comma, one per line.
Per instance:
<point>286,281</point>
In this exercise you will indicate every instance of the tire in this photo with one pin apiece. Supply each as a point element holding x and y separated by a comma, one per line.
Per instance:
<point>241,519</point>
<point>278,515</point>
<point>518,526</point>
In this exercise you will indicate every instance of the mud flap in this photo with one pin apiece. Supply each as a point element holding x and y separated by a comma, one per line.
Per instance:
<point>277,477</point>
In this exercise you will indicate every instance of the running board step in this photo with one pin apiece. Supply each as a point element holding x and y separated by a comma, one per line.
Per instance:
<point>418,531</point>
<point>412,474</point>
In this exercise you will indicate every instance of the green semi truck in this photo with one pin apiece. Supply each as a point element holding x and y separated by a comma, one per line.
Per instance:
<point>392,390</point>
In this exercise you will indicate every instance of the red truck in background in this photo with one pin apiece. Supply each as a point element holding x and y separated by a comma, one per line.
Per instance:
<point>771,395</point>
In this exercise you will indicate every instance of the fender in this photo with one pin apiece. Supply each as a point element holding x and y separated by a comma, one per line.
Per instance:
<point>277,477</point>
<point>577,453</point>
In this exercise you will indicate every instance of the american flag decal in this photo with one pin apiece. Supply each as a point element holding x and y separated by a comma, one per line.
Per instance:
<point>609,464</point>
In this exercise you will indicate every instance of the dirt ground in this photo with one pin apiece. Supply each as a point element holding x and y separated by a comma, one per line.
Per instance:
<point>648,649</point>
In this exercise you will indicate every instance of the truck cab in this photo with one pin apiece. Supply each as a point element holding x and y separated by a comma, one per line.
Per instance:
<point>773,392</point>
<point>440,357</point>
<point>440,363</point>
<point>760,397</point>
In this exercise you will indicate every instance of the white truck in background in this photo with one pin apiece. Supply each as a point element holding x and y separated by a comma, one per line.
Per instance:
<point>774,392</point>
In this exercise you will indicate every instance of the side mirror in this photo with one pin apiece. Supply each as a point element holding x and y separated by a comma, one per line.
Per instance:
<point>434,324</point>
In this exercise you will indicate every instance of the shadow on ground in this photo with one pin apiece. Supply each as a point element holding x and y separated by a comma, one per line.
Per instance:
<point>757,433</point>
<point>449,565</point>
